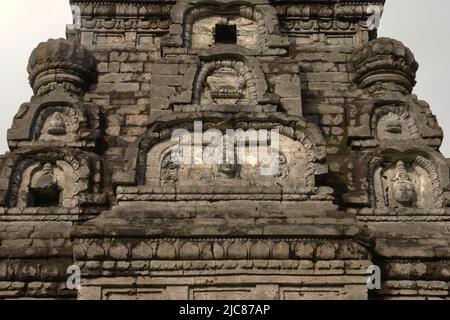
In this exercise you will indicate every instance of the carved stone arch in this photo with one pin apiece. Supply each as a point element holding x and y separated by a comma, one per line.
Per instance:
<point>395,118</point>
<point>421,169</point>
<point>75,119</point>
<point>246,66</point>
<point>79,123</point>
<point>186,12</point>
<point>307,135</point>
<point>76,170</point>
<point>236,9</point>
<point>243,74</point>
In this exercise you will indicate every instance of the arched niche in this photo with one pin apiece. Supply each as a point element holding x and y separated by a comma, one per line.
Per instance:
<point>234,166</point>
<point>215,24</point>
<point>406,179</point>
<point>394,122</point>
<point>56,120</point>
<point>59,178</point>
<point>226,80</point>
<point>47,185</point>
<point>201,24</point>
<point>301,155</point>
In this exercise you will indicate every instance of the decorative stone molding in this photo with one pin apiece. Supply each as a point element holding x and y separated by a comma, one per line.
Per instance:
<point>385,64</point>
<point>219,249</point>
<point>61,63</point>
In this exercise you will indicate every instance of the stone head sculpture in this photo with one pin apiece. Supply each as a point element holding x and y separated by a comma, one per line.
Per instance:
<point>403,189</point>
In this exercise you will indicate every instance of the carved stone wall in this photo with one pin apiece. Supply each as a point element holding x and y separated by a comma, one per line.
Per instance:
<point>90,179</point>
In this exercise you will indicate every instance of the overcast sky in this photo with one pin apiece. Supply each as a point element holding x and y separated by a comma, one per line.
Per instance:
<point>423,26</point>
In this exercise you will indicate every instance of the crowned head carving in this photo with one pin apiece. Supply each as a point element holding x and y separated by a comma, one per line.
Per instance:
<point>61,64</point>
<point>385,64</point>
<point>412,182</point>
<point>403,188</point>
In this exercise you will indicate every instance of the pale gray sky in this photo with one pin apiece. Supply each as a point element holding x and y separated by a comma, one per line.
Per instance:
<point>423,26</point>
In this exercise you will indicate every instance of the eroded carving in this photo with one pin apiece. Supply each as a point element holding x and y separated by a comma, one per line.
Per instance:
<point>200,24</point>
<point>394,123</point>
<point>225,82</point>
<point>402,184</point>
<point>60,123</point>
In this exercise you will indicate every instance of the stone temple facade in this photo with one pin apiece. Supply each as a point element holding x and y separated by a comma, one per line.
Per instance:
<point>90,179</point>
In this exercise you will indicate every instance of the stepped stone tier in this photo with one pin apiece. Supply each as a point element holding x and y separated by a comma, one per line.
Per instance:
<point>90,180</point>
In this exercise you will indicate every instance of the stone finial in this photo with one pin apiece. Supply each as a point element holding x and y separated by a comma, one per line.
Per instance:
<point>60,63</point>
<point>385,64</point>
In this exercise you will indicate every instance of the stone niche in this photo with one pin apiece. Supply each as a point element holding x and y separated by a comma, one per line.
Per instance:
<point>411,181</point>
<point>394,118</point>
<point>226,82</point>
<point>289,169</point>
<point>59,178</point>
<point>55,119</point>
<point>394,122</point>
<point>48,185</point>
<point>60,72</point>
<point>234,171</point>
<point>233,82</point>
<point>199,25</point>
<point>233,28</point>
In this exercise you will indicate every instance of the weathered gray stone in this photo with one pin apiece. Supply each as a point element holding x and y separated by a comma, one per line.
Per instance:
<point>91,179</point>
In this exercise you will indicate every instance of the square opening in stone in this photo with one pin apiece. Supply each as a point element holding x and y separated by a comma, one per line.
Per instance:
<point>225,34</point>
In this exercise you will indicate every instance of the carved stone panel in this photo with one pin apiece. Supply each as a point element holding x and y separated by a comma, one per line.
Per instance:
<point>241,166</point>
<point>48,185</point>
<point>59,123</point>
<point>402,184</point>
<point>394,123</point>
<point>204,31</point>
<point>226,82</point>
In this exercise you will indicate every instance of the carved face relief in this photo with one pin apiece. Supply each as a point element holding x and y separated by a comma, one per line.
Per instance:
<point>411,184</point>
<point>59,123</point>
<point>394,123</point>
<point>169,169</point>
<point>225,82</point>
<point>248,169</point>
<point>403,189</point>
